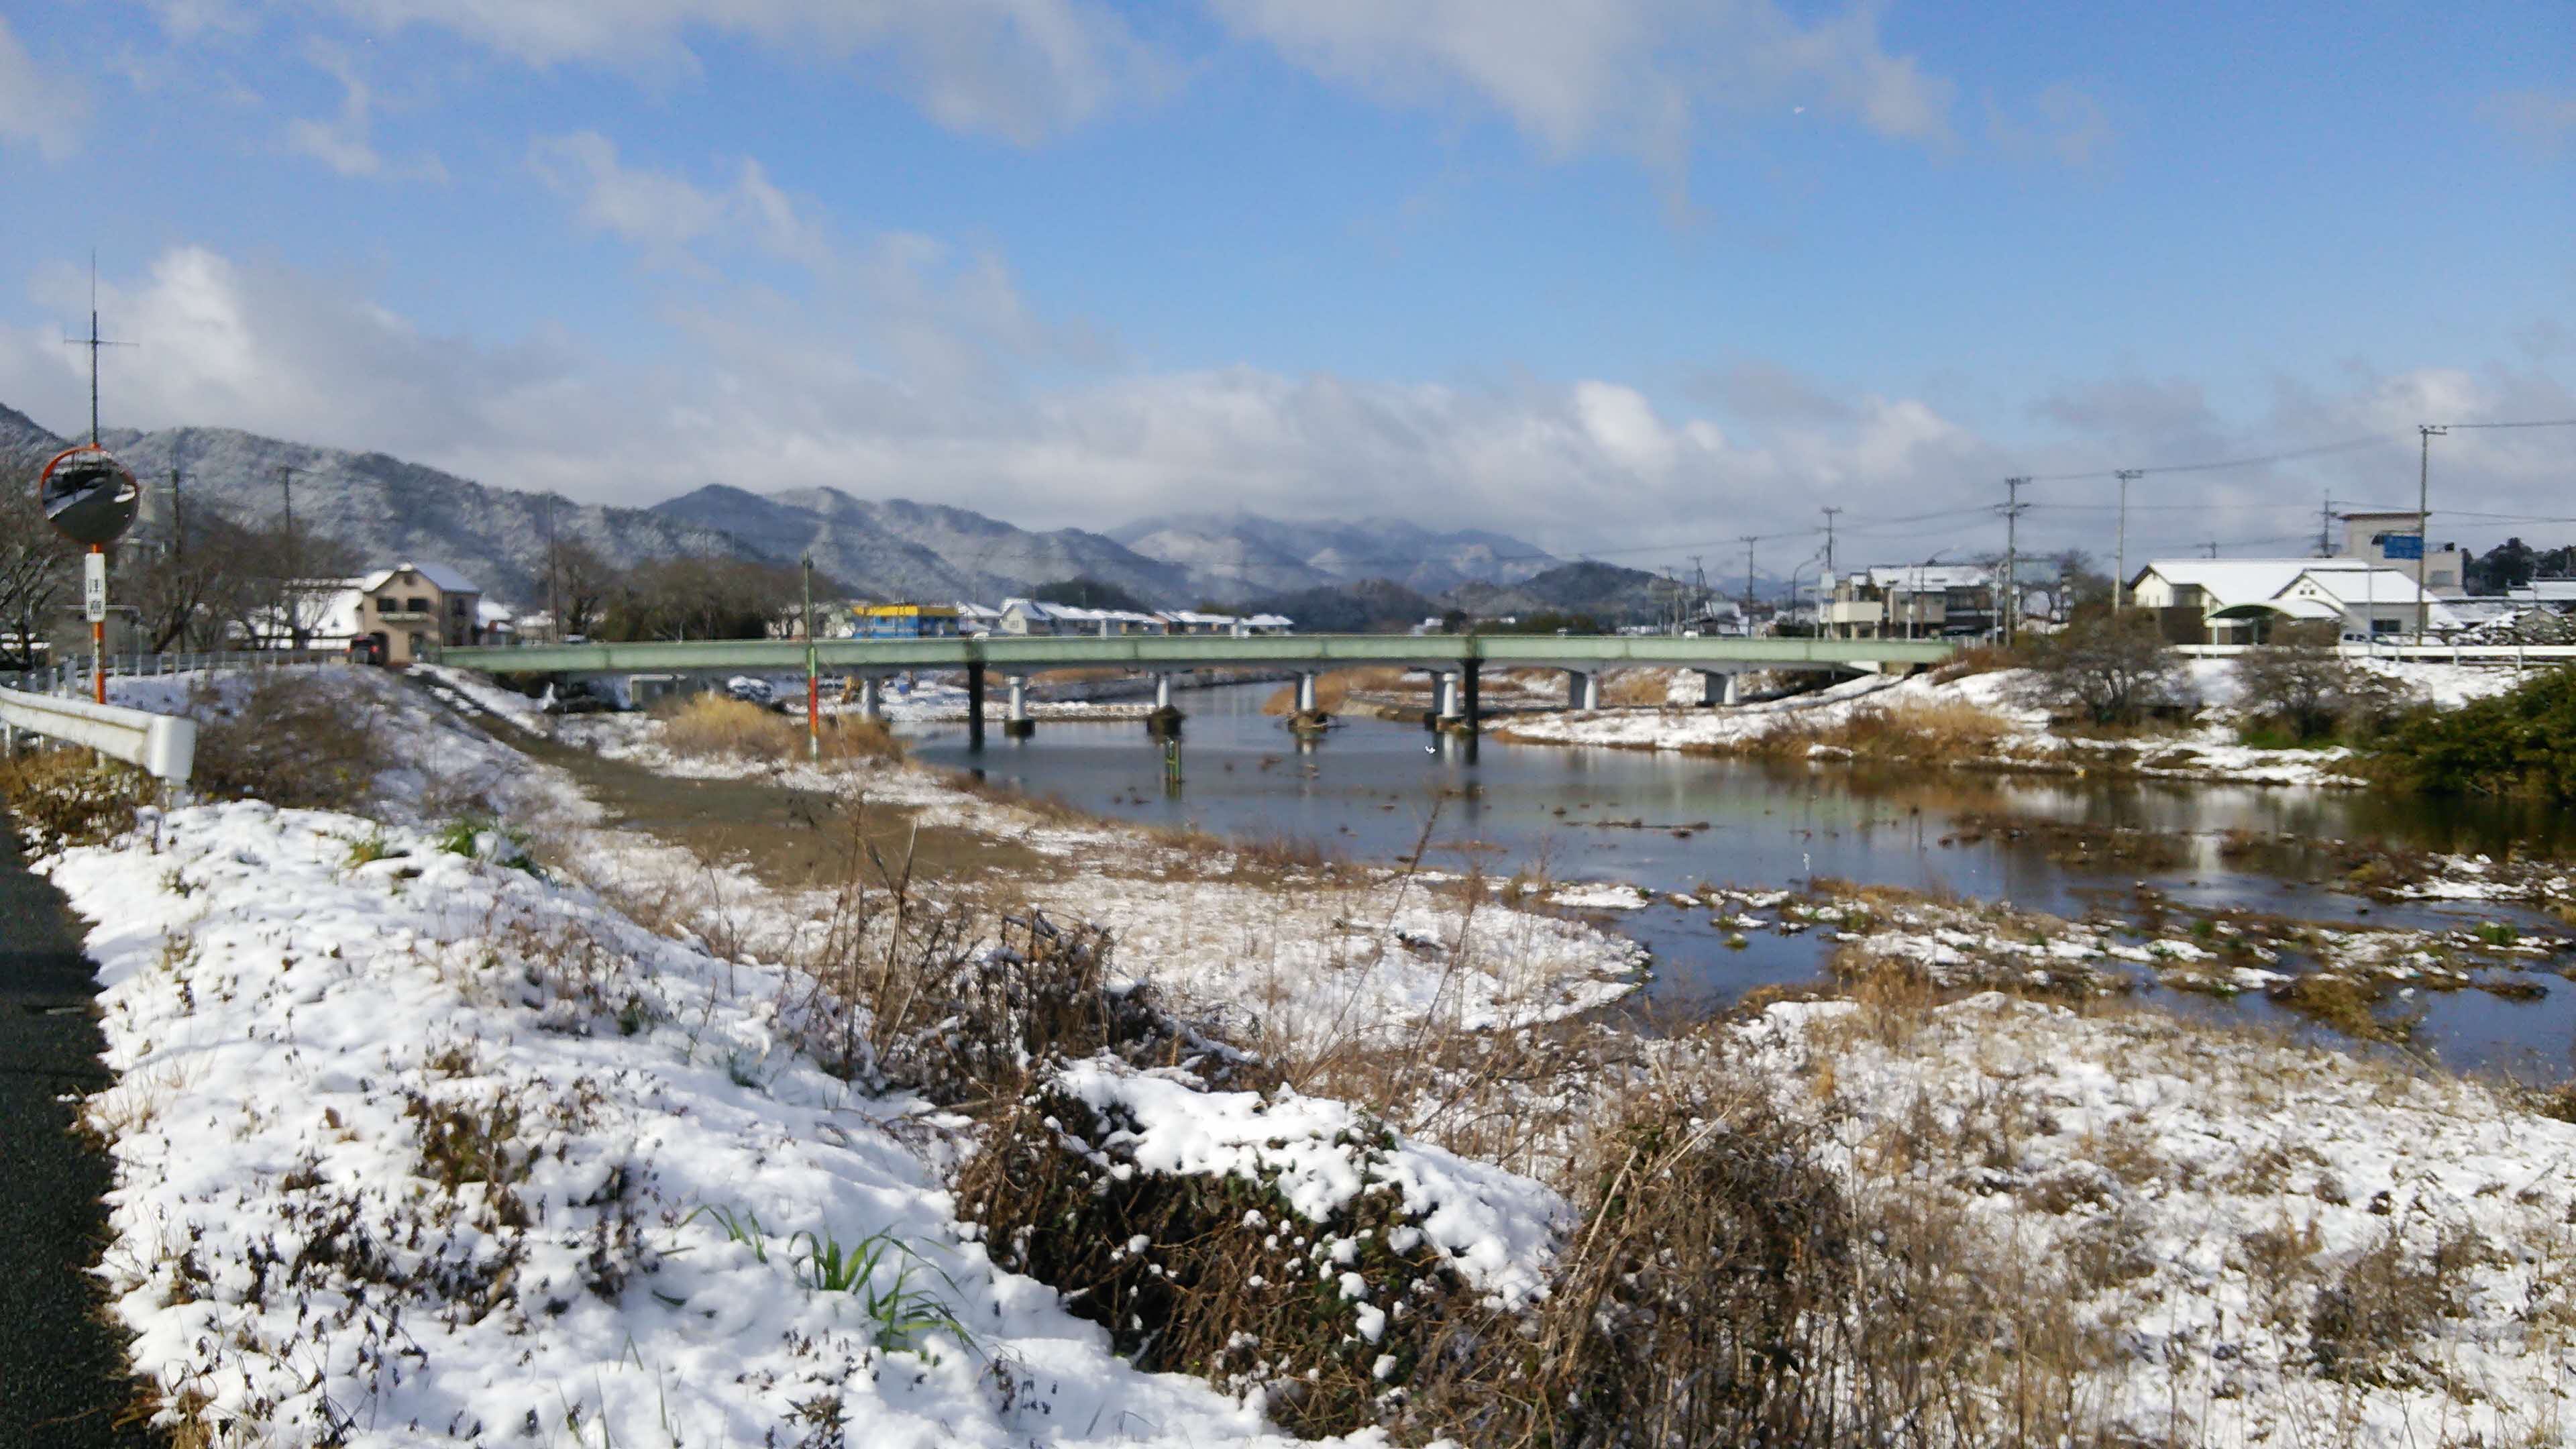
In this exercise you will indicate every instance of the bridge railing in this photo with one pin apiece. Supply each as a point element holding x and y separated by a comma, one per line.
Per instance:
<point>1181,652</point>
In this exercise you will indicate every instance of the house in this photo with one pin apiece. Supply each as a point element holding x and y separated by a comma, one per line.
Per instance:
<point>1268,624</point>
<point>2216,601</point>
<point>2380,603</point>
<point>977,618</point>
<point>2241,601</point>
<point>1910,601</point>
<point>904,621</point>
<point>1027,616</point>
<point>412,608</point>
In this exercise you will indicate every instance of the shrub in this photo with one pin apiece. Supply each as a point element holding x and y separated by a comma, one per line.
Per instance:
<point>2522,742</point>
<point>713,726</point>
<point>2110,667</point>
<point>73,797</point>
<point>2310,691</point>
<point>291,739</point>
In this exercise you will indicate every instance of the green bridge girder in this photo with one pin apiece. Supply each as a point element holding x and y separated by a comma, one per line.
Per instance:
<point>1011,654</point>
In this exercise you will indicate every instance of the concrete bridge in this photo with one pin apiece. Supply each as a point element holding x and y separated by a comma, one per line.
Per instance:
<point>1455,660</point>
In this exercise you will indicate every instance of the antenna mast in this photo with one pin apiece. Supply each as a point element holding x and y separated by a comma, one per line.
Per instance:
<point>93,342</point>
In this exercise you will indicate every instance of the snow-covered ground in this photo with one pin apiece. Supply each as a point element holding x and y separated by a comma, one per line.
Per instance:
<point>2264,1244</point>
<point>416,1147</point>
<point>2207,750</point>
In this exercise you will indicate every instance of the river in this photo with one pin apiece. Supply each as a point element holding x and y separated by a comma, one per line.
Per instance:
<point>1370,790</point>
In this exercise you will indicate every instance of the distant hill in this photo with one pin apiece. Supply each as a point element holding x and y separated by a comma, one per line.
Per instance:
<point>902,549</point>
<point>1370,573</point>
<point>1240,554</point>
<point>393,510</point>
<point>1606,591</point>
<point>1370,606</point>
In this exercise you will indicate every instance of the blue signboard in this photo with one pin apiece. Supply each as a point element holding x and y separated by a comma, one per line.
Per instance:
<point>2402,545</point>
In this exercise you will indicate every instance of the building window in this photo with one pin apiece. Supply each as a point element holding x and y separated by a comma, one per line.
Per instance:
<point>418,605</point>
<point>2440,576</point>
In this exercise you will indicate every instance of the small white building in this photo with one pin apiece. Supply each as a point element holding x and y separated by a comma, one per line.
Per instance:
<point>1027,617</point>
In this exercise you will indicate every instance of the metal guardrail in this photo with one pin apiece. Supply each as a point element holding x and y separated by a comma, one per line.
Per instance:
<point>1194,651</point>
<point>74,677</point>
<point>164,745</point>
<point>2516,654</point>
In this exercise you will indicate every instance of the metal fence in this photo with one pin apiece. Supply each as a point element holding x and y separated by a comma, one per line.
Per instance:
<point>74,678</point>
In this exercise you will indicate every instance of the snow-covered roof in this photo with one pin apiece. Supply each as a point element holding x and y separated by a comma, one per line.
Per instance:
<point>2230,581</point>
<point>2545,591</point>
<point>448,580</point>
<point>966,610</point>
<point>1192,616</point>
<point>1267,621</point>
<point>2351,582</point>
<point>488,613</point>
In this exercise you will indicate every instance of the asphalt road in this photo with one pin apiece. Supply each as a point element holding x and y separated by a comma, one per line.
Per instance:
<point>63,1380</point>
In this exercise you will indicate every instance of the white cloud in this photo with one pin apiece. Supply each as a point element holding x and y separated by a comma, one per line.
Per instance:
<point>667,214</point>
<point>345,143</point>
<point>1632,75</point>
<point>37,108</point>
<point>911,377</point>
<point>1020,69</point>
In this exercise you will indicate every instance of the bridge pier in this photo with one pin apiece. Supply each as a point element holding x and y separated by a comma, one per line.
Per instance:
<point>1717,688</point>
<point>1164,723</point>
<point>871,698</point>
<point>975,704</point>
<point>1444,697</point>
<point>1017,725</point>
<point>1582,690</point>
<point>1306,693</point>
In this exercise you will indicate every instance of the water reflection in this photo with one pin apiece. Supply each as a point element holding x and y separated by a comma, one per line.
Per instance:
<point>1369,789</point>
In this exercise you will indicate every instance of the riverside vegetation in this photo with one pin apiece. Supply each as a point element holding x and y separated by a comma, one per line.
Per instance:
<point>1915,1212</point>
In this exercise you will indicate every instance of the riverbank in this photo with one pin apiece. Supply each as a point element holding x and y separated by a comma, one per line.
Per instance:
<point>1992,720</point>
<point>1975,1186</point>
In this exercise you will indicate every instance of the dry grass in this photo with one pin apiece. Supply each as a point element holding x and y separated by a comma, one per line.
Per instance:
<point>713,726</point>
<point>293,739</point>
<point>1632,688</point>
<point>63,797</point>
<point>1335,687</point>
<point>1937,732</point>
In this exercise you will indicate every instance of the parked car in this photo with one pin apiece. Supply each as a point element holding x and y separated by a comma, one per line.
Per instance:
<point>366,651</point>
<point>751,691</point>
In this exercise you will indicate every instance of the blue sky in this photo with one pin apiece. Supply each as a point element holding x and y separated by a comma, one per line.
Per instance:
<point>1613,274</point>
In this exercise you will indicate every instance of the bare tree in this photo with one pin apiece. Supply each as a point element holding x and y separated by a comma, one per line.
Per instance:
<point>2113,667</point>
<point>2302,683</point>
<point>582,584</point>
<point>38,572</point>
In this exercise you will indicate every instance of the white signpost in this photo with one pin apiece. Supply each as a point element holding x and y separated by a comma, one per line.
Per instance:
<point>94,587</point>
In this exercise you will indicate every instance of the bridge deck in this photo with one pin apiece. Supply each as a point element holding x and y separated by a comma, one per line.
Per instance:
<point>1014,654</point>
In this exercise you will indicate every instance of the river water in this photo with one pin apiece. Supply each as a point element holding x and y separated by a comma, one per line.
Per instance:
<point>1374,790</point>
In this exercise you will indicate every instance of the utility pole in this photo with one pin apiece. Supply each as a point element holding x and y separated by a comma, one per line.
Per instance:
<point>294,565</point>
<point>2325,527</point>
<point>178,519</point>
<point>1749,541</point>
<point>2212,546</point>
<point>813,680</point>
<point>2011,600</point>
<point>1829,540</point>
<point>2426,433</point>
<point>554,575</point>
<point>2120,580</point>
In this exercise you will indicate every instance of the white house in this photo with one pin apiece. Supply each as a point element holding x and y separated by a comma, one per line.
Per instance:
<point>1026,616</point>
<point>2381,603</point>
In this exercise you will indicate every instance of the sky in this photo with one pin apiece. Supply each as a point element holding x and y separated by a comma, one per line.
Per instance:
<point>1633,278</point>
